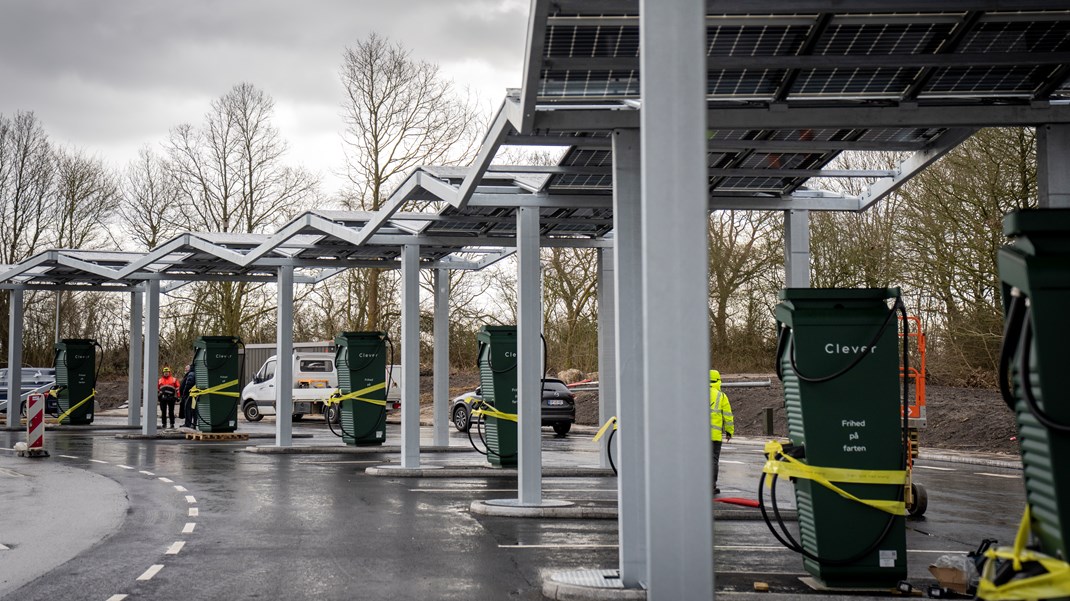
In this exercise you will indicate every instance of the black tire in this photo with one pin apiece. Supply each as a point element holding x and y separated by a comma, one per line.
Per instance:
<point>22,409</point>
<point>299,416</point>
<point>562,428</point>
<point>334,413</point>
<point>921,500</point>
<point>460,418</point>
<point>252,412</point>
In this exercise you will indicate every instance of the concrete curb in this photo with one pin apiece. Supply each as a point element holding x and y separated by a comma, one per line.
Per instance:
<point>982,460</point>
<point>598,585</point>
<point>345,450</point>
<point>571,511</point>
<point>182,436</point>
<point>480,471</point>
<point>88,427</point>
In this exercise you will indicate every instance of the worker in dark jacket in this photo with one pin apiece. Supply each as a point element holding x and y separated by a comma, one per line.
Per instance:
<point>188,382</point>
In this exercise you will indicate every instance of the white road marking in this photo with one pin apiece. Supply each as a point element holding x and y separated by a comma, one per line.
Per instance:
<point>733,462</point>
<point>146,473</point>
<point>1014,476</point>
<point>175,548</point>
<point>149,573</point>
<point>70,456</point>
<point>188,528</point>
<point>117,597</point>
<point>194,512</point>
<point>483,490</point>
<point>125,467</point>
<point>97,461</point>
<point>769,548</point>
<point>167,480</point>
<point>3,547</point>
<point>180,488</point>
<point>933,467</point>
<point>191,499</point>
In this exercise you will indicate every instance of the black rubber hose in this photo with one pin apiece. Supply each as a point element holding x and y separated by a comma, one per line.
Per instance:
<point>781,343</point>
<point>1012,331</point>
<point>858,358</point>
<point>1025,378</point>
<point>609,450</point>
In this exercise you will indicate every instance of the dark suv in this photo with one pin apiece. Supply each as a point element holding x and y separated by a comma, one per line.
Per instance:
<point>558,407</point>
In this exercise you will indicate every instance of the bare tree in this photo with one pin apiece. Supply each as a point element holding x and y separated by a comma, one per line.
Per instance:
<point>230,177</point>
<point>87,195</point>
<point>149,206</point>
<point>26,185</point>
<point>399,113</point>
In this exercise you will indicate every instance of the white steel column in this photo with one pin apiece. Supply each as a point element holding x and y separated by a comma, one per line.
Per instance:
<point>529,357</point>
<point>675,298</point>
<point>631,437</point>
<point>284,366</point>
<point>1053,156</point>
<point>607,346</point>
<point>133,385</point>
<point>14,360</point>
<point>152,354</point>
<point>410,356</point>
<point>797,249</point>
<point>441,361</point>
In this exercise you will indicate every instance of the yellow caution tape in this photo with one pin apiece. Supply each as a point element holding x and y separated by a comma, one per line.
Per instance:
<point>358,395</point>
<point>825,476</point>
<point>605,428</point>
<point>196,392</point>
<point>67,413</point>
<point>488,411</point>
<point>1055,583</point>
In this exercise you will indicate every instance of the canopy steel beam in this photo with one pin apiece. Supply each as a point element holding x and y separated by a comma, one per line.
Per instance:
<point>789,117</point>
<point>779,7</point>
<point>133,391</point>
<point>410,357</point>
<point>500,128</point>
<point>284,370</point>
<point>152,358</point>
<point>440,421</point>
<point>533,53</point>
<point>914,165</point>
<point>564,141</point>
<point>14,359</point>
<point>826,61</point>
<point>529,359</point>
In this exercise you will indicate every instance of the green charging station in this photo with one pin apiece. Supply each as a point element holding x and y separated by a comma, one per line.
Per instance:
<point>361,361</point>
<point>851,421</point>
<point>1035,272</point>
<point>76,380</point>
<point>217,367</point>
<point>497,376</point>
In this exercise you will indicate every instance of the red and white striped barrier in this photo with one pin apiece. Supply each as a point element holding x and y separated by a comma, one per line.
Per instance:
<point>35,426</point>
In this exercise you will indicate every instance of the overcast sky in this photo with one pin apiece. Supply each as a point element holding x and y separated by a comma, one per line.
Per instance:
<point>112,75</point>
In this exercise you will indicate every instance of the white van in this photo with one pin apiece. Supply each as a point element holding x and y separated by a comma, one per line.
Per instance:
<point>315,379</point>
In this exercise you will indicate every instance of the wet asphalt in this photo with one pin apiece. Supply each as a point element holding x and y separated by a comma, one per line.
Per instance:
<point>166,519</point>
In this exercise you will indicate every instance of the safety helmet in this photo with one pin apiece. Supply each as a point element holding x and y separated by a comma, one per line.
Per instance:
<point>166,369</point>
<point>715,377</point>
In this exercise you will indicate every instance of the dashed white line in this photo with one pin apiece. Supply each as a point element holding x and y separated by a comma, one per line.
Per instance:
<point>146,473</point>
<point>152,571</point>
<point>180,488</point>
<point>1014,476</point>
<point>191,499</point>
<point>732,462</point>
<point>933,467</point>
<point>188,528</point>
<point>194,512</point>
<point>117,597</point>
<point>70,457</point>
<point>577,546</point>
<point>175,548</point>
<point>167,480</point>
<point>125,467</point>
<point>97,461</point>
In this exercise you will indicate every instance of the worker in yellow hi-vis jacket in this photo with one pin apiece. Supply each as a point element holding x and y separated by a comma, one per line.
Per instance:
<point>722,424</point>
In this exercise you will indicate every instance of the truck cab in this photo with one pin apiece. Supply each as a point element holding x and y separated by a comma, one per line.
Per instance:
<point>314,379</point>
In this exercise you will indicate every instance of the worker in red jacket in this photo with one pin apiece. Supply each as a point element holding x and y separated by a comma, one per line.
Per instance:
<point>167,394</point>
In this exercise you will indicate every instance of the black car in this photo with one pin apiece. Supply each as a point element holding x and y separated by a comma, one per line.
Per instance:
<point>33,378</point>
<point>558,407</point>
